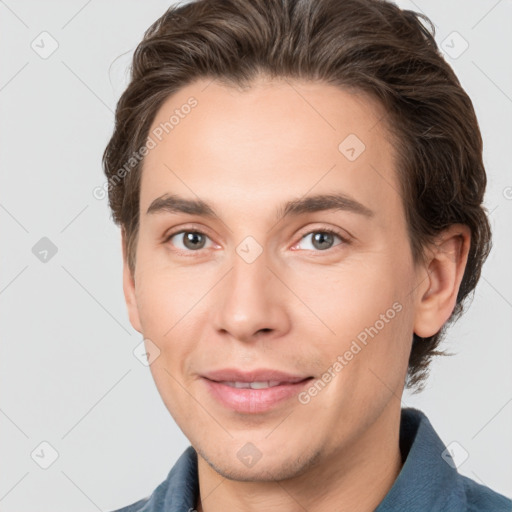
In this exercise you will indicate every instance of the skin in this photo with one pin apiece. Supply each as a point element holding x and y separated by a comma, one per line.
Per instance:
<point>297,307</point>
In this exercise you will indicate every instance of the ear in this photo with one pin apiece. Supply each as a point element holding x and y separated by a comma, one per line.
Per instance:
<point>441,277</point>
<point>129,288</point>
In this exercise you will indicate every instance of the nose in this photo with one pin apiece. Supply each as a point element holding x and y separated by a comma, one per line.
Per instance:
<point>251,302</point>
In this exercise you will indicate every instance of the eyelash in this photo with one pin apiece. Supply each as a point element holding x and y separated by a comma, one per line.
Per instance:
<point>330,231</point>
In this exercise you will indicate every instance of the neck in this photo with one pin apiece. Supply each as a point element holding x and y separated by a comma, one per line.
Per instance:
<point>355,478</point>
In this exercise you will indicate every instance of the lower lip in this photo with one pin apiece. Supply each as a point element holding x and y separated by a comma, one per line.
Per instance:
<point>253,400</point>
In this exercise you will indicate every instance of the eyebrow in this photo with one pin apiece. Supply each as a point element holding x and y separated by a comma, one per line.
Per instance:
<point>171,203</point>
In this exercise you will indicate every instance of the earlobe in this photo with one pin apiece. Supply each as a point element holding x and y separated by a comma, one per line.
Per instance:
<point>129,288</point>
<point>445,268</point>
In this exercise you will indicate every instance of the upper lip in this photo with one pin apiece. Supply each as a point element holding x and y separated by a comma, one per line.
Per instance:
<point>257,375</point>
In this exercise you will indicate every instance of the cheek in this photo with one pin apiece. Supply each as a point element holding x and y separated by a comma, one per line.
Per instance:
<point>346,299</point>
<point>171,308</point>
<point>164,295</point>
<point>367,368</point>
<point>369,315</point>
<point>154,306</point>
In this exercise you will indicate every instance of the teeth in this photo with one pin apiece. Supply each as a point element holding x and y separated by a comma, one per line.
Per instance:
<point>253,385</point>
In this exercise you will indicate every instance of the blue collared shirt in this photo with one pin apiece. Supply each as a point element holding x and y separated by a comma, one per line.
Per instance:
<point>428,480</point>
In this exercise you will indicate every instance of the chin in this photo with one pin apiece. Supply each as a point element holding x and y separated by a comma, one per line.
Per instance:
<point>281,466</point>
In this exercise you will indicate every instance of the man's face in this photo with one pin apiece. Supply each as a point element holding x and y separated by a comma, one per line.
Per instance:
<point>259,290</point>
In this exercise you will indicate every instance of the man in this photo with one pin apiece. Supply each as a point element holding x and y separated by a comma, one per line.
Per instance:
<point>299,186</point>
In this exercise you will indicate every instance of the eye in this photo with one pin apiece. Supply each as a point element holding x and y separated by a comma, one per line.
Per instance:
<point>187,241</point>
<point>190,241</point>
<point>322,239</point>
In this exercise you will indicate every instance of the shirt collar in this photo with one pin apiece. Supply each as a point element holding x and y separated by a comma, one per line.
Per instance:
<point>427,480</point>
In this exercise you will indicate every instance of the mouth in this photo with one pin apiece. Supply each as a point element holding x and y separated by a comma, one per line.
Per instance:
<point>255,385</point>
<point>255,396</point>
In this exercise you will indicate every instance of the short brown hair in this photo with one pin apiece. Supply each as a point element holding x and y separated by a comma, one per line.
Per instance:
<point>368,46</point>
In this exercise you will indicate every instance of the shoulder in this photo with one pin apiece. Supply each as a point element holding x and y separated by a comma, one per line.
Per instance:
<point>481,498</point>
<point>429,479</point>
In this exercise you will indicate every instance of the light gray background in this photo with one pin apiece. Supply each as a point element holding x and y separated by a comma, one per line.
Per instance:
<point>68,374</point>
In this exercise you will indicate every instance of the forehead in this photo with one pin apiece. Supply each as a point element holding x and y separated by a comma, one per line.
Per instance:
<point>276,139</point>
